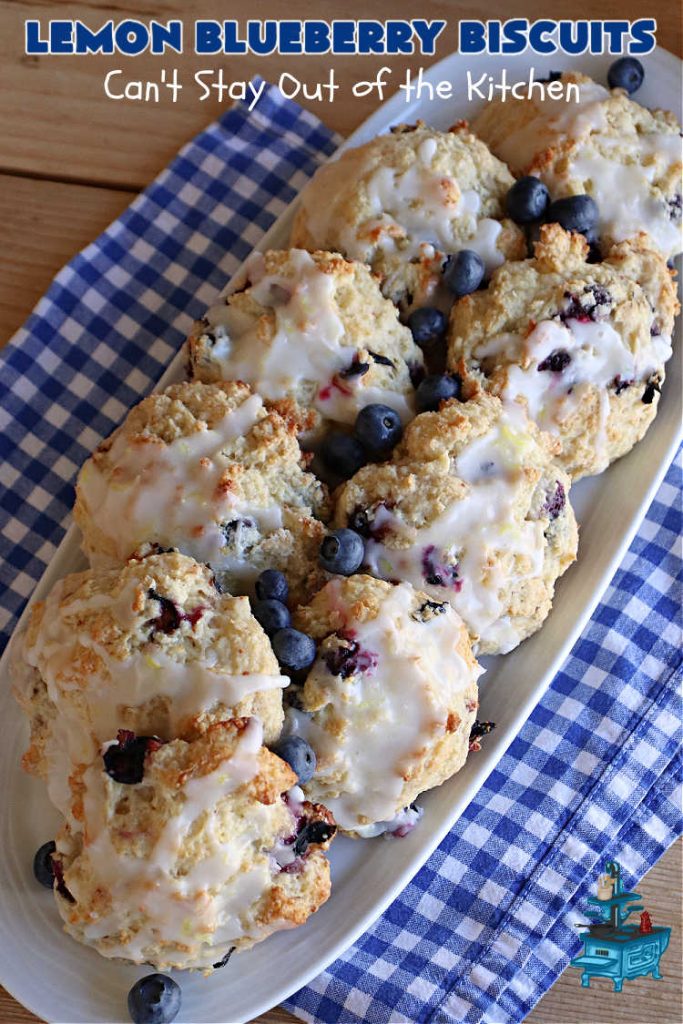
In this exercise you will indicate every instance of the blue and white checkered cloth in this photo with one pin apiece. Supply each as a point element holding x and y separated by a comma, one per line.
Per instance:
<point>487,925</point>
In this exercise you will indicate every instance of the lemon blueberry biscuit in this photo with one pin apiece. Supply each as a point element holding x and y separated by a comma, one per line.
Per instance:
<point>473,510</point>
<point>310,327</point>
<point>388,704</point>
<point>207,469</point>
<point>180,852</point>
<point>152,647</point>
<point>404,201</point>
<point>582,344</point>
<point>628,158</point>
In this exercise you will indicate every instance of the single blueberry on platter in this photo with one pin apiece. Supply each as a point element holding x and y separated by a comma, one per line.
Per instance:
<point>154,999</point>
<point>43,868</point>
<point>294,650</point>
<point>527,200</point>
<point>437,388</point>
<point>463,272</point>
<point>574,213</point>
<point>272,586</point>
<point>271,614</point>
<point>299,755</point>
<point>342,454</point>
<point>428,325</point>
<point>378,429</point>
<point>342,552</point>
<point>626,73</point>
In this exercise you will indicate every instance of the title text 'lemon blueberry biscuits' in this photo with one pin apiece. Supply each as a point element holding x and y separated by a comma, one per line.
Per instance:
<point>313,328</point>
<point>473,510</point>
<point>404,202</point>
<point>207,469</point>
<point>153,648</point>
<point>582,344</point>
<point>626,157</point>
<point>177,853</point>
<point>389,702</point>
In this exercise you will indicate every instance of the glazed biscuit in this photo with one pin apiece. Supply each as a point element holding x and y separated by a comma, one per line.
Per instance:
<point>313,330</point>
<point>406,200</point>
<point>209,470</point>
<point>583,345</point>
<point>213,849</point>
<point>388,704</point>
<point>473,510</point>
<point>153,648</point>
<point>628,158</point>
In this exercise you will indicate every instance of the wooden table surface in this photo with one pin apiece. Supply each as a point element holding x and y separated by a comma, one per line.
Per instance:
<point>71,160</point>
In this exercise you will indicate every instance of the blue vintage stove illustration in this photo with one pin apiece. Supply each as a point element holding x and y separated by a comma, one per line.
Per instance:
<point>612,948</point>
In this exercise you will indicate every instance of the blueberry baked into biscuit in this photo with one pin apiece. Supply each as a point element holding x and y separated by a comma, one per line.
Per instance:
<point>406,201</point>
<point>583,345</point>
<point>313,329</point>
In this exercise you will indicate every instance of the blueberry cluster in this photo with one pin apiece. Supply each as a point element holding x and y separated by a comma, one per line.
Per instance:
<point>295,651</point>
<point>528,203</point>
<point>376,432</point>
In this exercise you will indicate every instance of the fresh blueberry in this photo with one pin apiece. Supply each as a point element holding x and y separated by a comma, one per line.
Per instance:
<point>427,325</point>
<point>272,586</point>
<point>42,864</point>
<point>378,428</point>
<point>463,272</point>
<point>299,755</point>
<point>574,213</point>
<point>343,455</point>
<point>154,999</point>
<point>435,389</point>
<point>626,73</point>
<point>527,200</point>
<point>342,552</point>
<point>271,614</point>
<point>294,650</point>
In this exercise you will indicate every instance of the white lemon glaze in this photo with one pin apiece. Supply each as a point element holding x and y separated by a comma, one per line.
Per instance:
<point>421,206</point>
<point>471,534</point>
<point>171,494</point>
<point>385,715</point>
<point>555,119</point>
<point>90,702</point>
<point>622,190</point>
<point>598,356</point>
<point>308,343</point>
<point>205,910</point>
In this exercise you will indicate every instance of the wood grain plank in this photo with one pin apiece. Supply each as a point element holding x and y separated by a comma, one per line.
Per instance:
<point>42,225</point>
<point>59,122</point>
<point>642,999</point>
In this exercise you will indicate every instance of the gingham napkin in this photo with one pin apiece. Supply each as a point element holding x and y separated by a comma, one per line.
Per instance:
<point>487,925</point>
